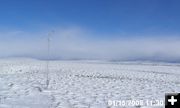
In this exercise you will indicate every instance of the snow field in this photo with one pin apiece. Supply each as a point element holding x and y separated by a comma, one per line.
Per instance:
<point>84,84</point>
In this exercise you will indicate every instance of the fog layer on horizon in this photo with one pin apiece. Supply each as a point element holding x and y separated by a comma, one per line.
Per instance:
<point>74,43</point>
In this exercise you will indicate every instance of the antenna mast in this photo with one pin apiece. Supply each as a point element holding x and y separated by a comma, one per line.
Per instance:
<point>48,58</point>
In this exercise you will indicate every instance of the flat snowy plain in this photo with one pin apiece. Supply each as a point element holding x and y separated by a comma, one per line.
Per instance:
<point>84,84</point>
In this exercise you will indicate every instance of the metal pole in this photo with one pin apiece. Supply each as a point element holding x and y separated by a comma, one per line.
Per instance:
<point>48,58</point>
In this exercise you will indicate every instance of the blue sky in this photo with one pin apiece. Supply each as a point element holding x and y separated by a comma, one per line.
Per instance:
<point>103,22</point>
<point>101,16</point>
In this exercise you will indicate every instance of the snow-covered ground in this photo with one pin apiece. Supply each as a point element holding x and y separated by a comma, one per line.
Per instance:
<point>84,84</point>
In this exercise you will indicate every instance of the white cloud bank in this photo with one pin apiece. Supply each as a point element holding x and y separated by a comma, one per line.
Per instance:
<point>76,43</point>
